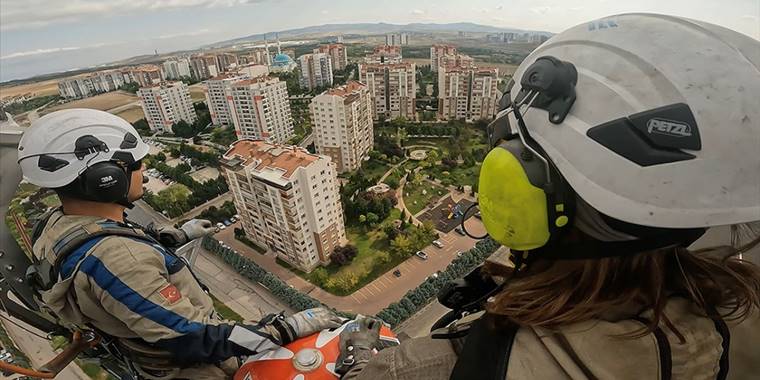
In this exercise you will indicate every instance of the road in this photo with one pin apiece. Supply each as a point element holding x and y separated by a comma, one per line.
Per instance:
<point>143,214</point>
<point>38,349</point>
<point>308,140</point>
<point>124,107</point>
<point>420,323</point>
<point>249,300</point>
<point>216,202</point>
<point>379,293</point>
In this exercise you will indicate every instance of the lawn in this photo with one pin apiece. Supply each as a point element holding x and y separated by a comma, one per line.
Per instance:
<point>374,169</point>
<point>372,260</point>
<point>457,176</point>
<point>225,310</point>
<point>415,200</point>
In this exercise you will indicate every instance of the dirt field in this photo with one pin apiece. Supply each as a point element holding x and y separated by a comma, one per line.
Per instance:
<point>196,94</point>
<point>132,114</point>
<point>102,102</point>
<point>48,87</point>
<point>205,174</point>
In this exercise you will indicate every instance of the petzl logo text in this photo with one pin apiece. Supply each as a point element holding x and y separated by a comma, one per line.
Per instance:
<point>668,127</point>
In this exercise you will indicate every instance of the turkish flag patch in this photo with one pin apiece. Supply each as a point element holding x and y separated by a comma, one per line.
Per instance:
<point>171,294</point>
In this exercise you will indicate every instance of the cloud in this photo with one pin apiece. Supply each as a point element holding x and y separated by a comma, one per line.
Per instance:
<point>30,14</point>
<point>748,17</point>
<point>500,7</point>
<point>38,52</point>
<point>417,12</point>
<point>186,34</point>
<point>575,9</point>
<point>324,12</point>
<point>541,10</point>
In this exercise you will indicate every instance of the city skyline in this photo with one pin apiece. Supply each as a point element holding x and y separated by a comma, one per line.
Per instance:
<point>39,37</point>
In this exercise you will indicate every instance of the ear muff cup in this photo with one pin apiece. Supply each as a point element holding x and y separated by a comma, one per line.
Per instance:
<point>513,204</point>
<point>106,182</point>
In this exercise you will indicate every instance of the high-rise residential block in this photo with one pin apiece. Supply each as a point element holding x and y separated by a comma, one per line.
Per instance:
<point>397,39</point>
<point>176,68</point>
<point>166,104</point>
<point>288,200</point>
<point>259,109</point>
<point>256,56</point>
<point>440,50</point>
<point>144,75</point>
<point>92,84</point>
<point>467,92</point>
<point>316,70</point>
<point>393,88</point>
<point>215,90</point>
<point>226,60</point>
<point>384,54</point>
<point>337,53</point>
<point>204,67</point>
<point>342,122</point>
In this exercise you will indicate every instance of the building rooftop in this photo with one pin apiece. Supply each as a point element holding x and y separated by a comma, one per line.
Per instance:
<point>281,60</point>
<point>346,89</point>
<point>271,161</point>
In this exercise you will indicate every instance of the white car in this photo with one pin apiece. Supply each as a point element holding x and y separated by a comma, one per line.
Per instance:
<point>421,255</point>
<point>438,243</point>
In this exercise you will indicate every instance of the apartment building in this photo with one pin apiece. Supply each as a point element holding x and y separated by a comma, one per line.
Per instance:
<point>316,70</point>
<point>455,60</point>
<point>144,75</point>
<point>176,68</point>
<point>92,84</point>
<point>467,92</point>
<point>440,50</point>
<point>258,56</point>
<point>259,109</point>
<point>215,90</point>
<point>165,104</point>
<point>337,53</point>
<point>288,200</point>
<point>342,120</point>
<point>204,67</point>
<point>225,60</point>
<point>397,39</point>
<point>384,54</point>
<point>393,88</point>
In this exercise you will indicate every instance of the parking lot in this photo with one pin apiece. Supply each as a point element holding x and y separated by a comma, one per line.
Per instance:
<point>415,270</point>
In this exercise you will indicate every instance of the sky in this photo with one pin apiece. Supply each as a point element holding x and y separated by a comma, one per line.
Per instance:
<point>43,36</point>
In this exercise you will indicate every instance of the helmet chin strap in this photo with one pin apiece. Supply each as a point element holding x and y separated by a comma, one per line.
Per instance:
<point>595,249</point>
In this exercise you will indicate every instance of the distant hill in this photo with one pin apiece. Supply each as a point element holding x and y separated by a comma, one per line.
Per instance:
<point>372,28</point>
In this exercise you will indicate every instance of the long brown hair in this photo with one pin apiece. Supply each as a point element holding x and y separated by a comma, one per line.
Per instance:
<point>553,293</point>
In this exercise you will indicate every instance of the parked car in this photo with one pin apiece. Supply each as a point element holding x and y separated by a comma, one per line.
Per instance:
<point>397,273</point>
<point>236,216</point>
<point>438,243</point>
<point>460,231</point>
<point>459,253</point>
<point>227,222</point>
<point>233,220</point>
<point>421,255</point>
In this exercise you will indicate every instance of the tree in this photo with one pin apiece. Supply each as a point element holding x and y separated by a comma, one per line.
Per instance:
<point>161,157</point>
<point>320,276</point>
<point>131,87</point>
<point>401,246</point>
<point>372,218</point>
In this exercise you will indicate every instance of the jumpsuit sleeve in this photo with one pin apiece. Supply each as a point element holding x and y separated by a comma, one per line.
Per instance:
<point>412,360</point>
<point>130,280</point>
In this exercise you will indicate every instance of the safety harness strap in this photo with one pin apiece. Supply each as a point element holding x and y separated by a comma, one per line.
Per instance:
<point>486,350</point>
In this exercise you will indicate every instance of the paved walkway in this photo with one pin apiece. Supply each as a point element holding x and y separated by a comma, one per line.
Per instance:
<point>250,300</point>
<point>379,293</point>
<point>394,167</point>
<point>218,202</point>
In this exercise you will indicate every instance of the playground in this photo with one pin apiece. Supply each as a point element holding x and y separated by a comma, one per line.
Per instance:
<point>448,214</point>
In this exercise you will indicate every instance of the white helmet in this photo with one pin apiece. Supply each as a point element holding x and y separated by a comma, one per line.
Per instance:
<point>61,146</point>
<point>665,130</point>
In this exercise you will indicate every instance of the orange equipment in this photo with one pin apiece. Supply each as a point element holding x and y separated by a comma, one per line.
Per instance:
<point>309,358</point>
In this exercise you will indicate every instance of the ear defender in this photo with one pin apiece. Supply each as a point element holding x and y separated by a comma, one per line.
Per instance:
<point>520,207</point>
<point>106,182</point>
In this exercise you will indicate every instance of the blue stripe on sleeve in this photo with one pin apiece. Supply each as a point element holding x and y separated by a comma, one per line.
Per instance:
<point>74,257</point>
<point>135,302</point>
